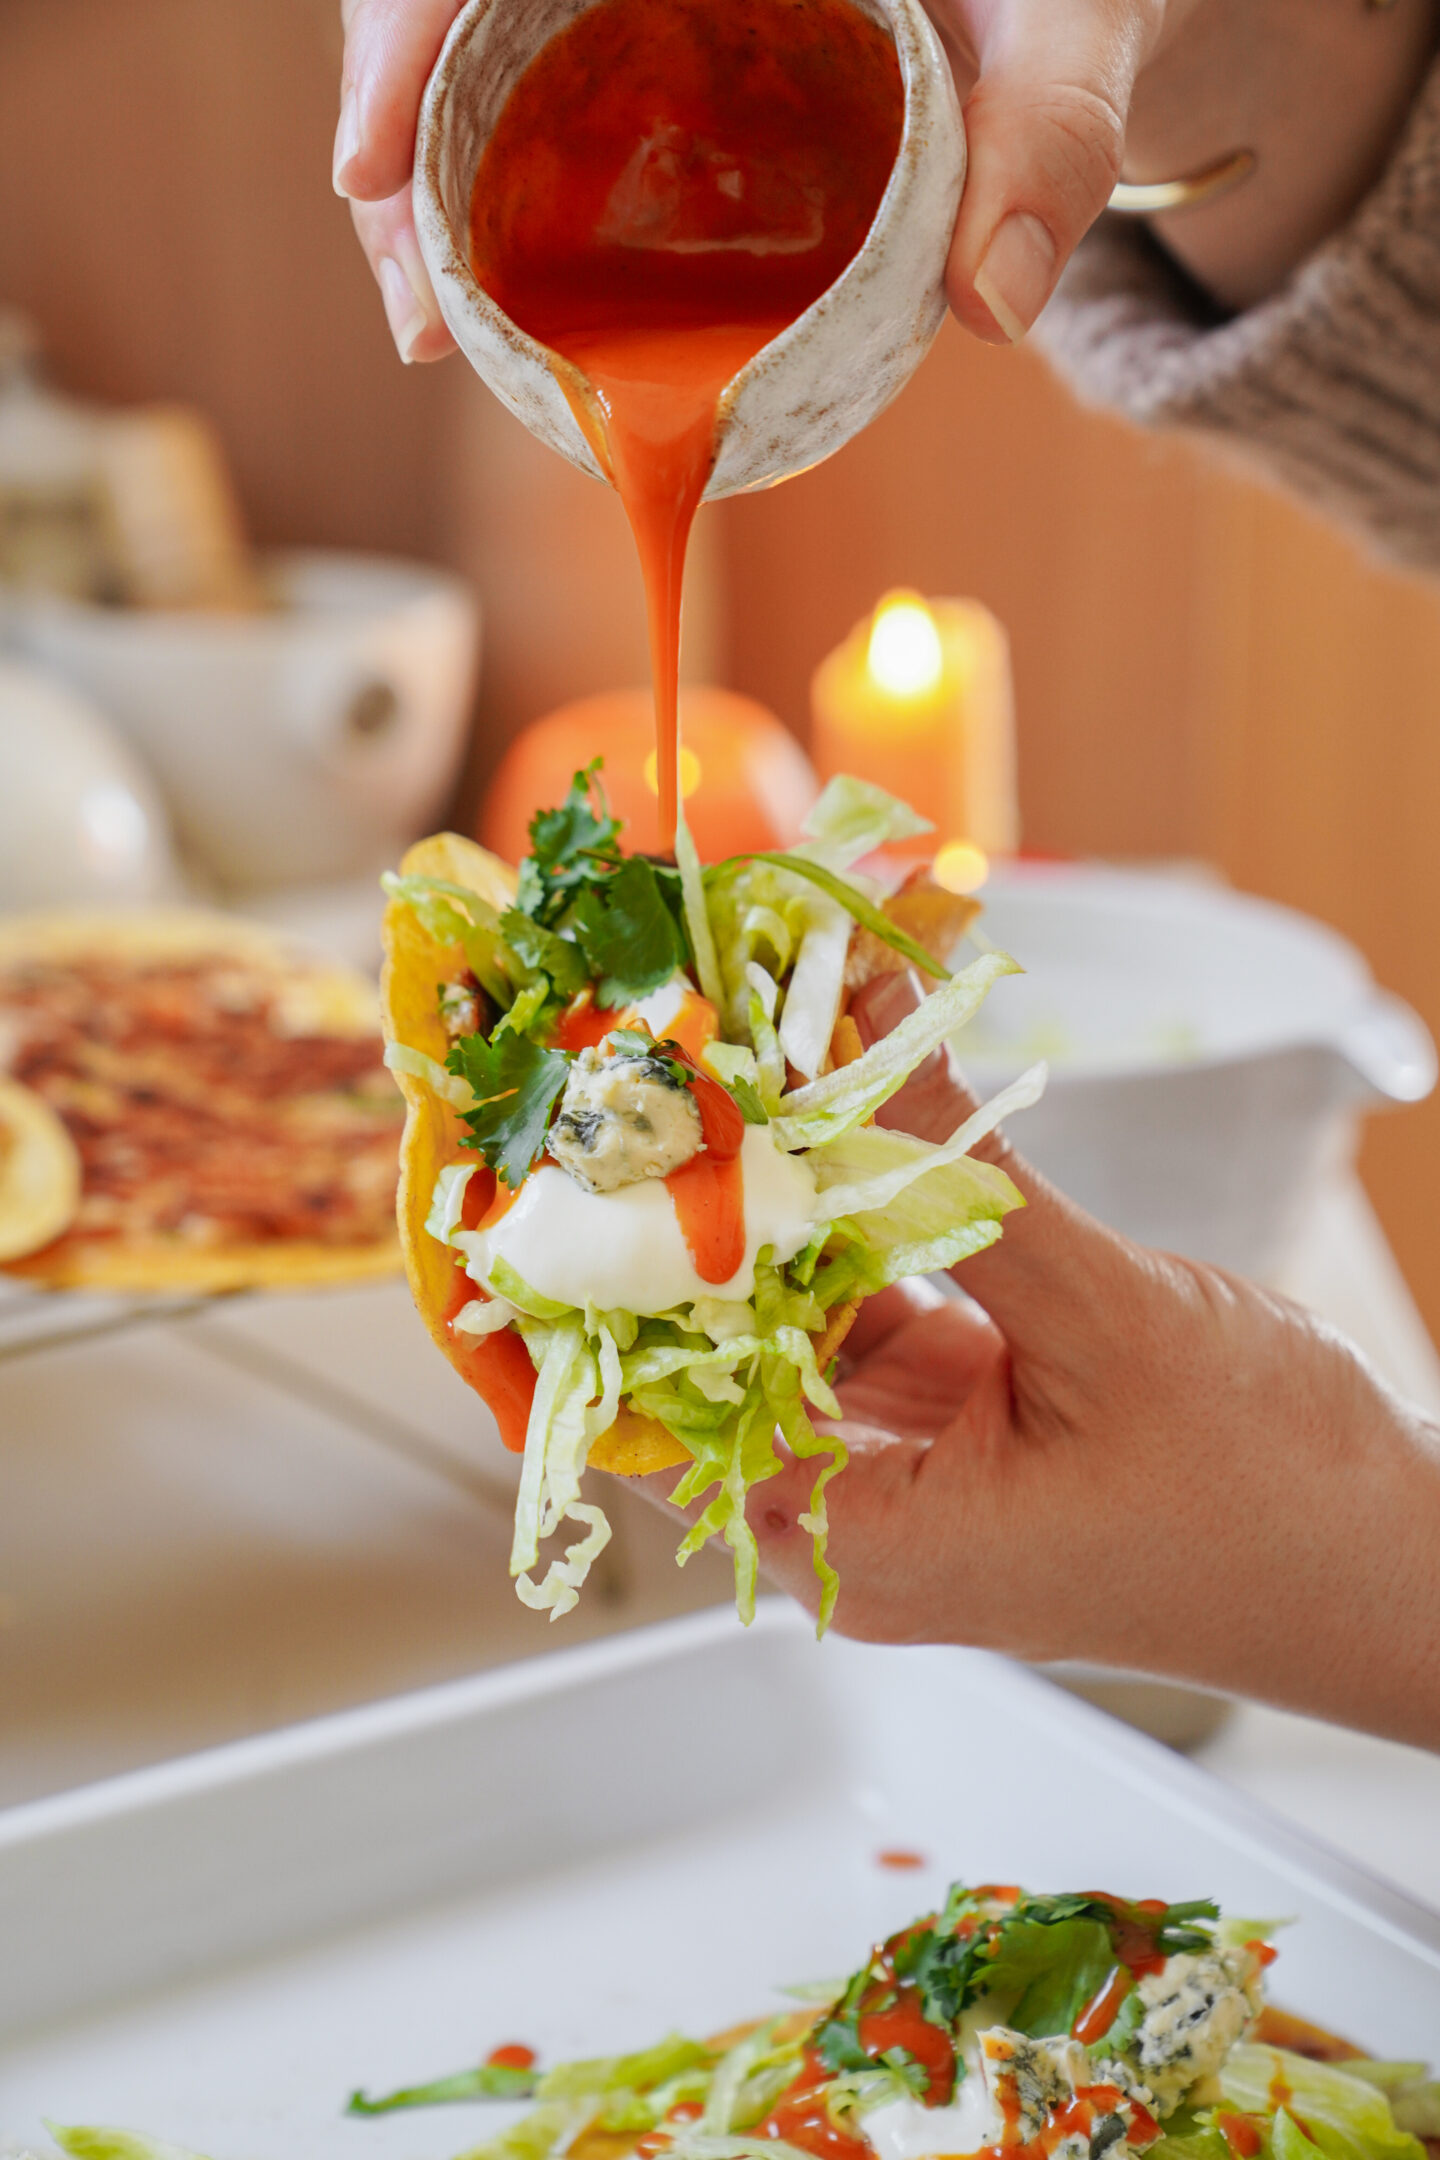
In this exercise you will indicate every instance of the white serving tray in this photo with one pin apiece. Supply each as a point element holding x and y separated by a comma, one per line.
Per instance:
<point>583,1851</point>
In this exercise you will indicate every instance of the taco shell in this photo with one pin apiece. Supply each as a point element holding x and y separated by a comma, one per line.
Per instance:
<point>314,997</point>
<point>415,962</point>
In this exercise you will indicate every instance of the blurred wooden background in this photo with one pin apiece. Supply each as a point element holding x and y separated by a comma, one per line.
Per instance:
<point>1202,670</point>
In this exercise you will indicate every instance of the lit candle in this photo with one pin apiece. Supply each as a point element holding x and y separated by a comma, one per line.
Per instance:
<point>918,699</point>
<point>745,781</point>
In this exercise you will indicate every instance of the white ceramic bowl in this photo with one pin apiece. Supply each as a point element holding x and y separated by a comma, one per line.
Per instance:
<point>1209,1053</point>
<point>811,388</point>
<point>306,743</point>
<point>81,823</point>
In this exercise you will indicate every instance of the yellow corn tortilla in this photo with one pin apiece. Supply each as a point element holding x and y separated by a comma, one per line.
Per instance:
<point>415,962</point>
<point>315,996</point>
<point>39,1172</point>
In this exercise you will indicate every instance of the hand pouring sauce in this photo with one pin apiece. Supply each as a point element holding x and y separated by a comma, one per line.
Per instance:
<point>669,185</point>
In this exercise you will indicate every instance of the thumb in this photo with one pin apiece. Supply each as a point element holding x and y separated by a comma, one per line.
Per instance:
<point>1046,128</point>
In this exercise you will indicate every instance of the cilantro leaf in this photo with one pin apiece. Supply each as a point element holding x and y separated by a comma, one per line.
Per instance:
<point>517,1085</point>
<point>557,836</point>
<point>943,1969</point>
<point>1053,1967</point>
<point>631,940</point>
<point>837,2043</point>
<point>854,902</point>
<point>567,845</point>
<point>912,2074</point>
<point>544,949</point>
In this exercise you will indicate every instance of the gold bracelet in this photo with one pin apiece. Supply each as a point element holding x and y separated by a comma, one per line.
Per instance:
<point>1144,198</point>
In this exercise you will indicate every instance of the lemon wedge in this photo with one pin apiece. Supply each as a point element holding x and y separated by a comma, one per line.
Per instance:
<point>39,1172</point>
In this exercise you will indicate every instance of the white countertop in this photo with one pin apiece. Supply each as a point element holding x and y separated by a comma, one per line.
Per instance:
<point>256,1510</point>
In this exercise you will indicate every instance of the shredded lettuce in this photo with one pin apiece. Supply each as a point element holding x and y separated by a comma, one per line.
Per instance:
<point>448,1200</point>
<point>812,1001</point>
<point>847,894</point>
<point>769,1057</point>
<point>732,1063</point>
<point>838,1100</point>
<point>758,916</point>
<point>399,1057</point>
<point>689,2144</point>
<point>915,1207</point>
<point>507,1282</point>
<point>853,817</point>
<point>485,1316</point>
<point>1348,2117</point>
<point>639,2072</point>
<point>1196,2141</point>
<point>1414,2096</point>
<point>529,1006</point>
<point>897,1160</point>
<point>85,2142</point>
<point>536,2136</point>
<point>557,1441</point>
<point>697,918</point>
<point>457,916</point>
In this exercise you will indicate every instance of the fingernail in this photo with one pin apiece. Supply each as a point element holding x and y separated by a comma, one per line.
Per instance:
<point>1018,269</point>
<point>347,142</point>
<point>404,309</point>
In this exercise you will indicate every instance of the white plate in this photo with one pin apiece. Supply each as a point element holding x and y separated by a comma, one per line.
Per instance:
<point>582,1852</point>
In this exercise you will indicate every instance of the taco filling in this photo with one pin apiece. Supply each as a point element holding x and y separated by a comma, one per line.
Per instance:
<point>1007,2026</point>
<point>642,1193</point>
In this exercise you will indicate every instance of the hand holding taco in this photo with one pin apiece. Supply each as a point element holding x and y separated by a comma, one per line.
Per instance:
<point>642,1196</point>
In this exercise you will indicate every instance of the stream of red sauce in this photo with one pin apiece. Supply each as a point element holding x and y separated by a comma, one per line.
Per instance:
<point>671,183</point>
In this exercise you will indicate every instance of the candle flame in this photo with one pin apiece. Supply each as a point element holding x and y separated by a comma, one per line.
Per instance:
<point>961,867</point>
<point>689,772</point>
<point>905,656</point>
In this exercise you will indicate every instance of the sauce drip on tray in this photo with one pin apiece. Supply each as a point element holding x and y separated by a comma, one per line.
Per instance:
<point>670,184</point>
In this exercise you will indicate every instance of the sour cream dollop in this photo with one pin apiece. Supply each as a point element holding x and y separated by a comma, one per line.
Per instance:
<point>625,1248</point>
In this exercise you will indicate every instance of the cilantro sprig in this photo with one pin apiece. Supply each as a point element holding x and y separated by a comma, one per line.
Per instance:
<point>587,913</point>
<point>569,846</point>
<point>516,1084</point>
<point>628,931</point>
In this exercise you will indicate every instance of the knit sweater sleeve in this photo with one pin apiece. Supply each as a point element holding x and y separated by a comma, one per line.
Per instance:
<point>1332,386</point>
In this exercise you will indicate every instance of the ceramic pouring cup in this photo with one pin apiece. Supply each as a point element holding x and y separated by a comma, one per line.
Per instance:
<point>812,387</point>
